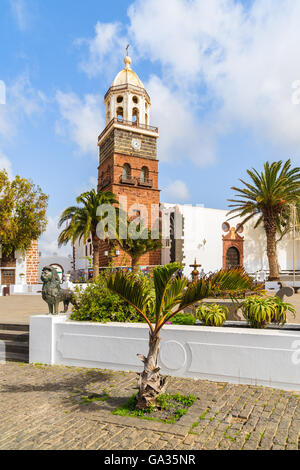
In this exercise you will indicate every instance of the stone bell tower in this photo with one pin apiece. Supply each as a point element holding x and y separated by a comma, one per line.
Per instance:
<point>128,152</point>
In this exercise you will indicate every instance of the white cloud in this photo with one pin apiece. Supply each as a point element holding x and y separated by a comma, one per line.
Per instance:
<point>244,60</point>
<point>104,49</point>
<point>22,100</point>
<point>81,120</point>
<point>48,241</point>
<point>176,192</point>
<point>20,13</point>
<point>182,134</point>
<point>88,186</point>
<point>5,164</point>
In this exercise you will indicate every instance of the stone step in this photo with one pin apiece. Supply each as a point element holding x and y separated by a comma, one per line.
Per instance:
<point>15,347</point>
<point>14,327</point>
<point>11,335</point>
<point>15,357</point>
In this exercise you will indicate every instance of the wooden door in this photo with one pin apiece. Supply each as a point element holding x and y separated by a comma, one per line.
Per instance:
<point>232,258</point>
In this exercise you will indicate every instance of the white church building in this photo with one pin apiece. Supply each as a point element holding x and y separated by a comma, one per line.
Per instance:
<point>215,242</point>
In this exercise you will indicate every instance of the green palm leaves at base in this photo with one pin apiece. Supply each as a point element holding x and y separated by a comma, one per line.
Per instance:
<point>171,295</point>
<point>175,294</point>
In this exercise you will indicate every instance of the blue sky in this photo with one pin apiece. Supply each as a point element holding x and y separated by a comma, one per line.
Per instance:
<point>219,73</point>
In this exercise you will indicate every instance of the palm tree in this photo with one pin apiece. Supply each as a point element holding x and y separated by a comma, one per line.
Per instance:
<point>172,295</point>
<point>83,220</point>
<point>137,247</point>
<point>269,196</point>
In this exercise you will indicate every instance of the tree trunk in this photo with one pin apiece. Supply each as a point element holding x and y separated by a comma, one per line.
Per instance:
<point>96,252</point>
<point>151,383</point>
<point>134,262</point>
<point>272,255</point>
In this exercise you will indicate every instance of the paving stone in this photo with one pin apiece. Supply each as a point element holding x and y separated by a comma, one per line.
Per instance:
<point>39,411</point>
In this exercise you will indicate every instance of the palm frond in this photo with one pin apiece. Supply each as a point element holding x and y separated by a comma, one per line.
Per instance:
<point>132,291</point>
<point>162,275</point>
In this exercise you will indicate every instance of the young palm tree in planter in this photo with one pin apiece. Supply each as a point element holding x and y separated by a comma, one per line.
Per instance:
<point>83,221</point>
<point>171,296</point>
<point>269,196</point>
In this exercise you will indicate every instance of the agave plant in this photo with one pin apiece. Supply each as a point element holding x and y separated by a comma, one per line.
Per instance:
<point>280,311</point>
<point>172,295</point>
<point>212,315</point>
<point>261,311</point>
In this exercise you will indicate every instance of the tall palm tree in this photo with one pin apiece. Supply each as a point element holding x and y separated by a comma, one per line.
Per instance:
<point>172,295</point>
<point>82,221</point>
<point>269,196</point>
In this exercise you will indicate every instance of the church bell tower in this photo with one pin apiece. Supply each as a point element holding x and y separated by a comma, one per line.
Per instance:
<point>128,152</point>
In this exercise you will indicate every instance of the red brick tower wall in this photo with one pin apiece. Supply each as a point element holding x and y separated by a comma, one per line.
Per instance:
<point>32,263</point>
<point>115,152</point>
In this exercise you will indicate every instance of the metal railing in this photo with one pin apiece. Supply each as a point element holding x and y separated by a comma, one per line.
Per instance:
<point>145,182</point>
<point>127,124</point>
<point>127,180</point>
<point>105,182</point>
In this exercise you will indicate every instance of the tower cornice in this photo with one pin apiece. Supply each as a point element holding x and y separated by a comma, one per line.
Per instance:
<point>129,126</point>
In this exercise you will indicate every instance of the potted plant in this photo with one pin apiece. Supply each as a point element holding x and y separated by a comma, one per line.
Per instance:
<point>212,315</point>
<point>261,311</point>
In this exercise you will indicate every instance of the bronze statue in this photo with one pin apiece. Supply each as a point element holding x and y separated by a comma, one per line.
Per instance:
<point>52,293</point>
<point>284,290</point>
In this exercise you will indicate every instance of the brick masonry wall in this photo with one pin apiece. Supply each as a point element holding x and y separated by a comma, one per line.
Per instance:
<point>32,263</point>
<point>119,141</point>
<point>114,153</point>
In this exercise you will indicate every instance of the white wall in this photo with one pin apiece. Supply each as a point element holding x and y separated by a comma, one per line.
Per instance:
<point>258,357</point>
<point>63,261</point>
<point>81,262</point>
<point>201,223</point>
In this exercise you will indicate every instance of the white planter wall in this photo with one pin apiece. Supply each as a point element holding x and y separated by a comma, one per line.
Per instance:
<point>259,357</point>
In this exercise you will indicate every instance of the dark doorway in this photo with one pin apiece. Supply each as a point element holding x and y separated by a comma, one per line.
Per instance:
<point>232,258</point>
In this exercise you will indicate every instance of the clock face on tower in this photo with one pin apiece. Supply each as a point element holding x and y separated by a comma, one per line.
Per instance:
<point>136,144</point>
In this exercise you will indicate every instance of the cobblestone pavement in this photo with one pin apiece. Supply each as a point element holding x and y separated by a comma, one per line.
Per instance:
<point>41,407</point>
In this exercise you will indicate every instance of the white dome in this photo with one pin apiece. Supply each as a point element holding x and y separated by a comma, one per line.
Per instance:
<point>127,76</point>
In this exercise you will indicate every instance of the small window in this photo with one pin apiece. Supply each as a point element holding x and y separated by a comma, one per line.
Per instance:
<point>120,114</point>
<point>135,115</point>
<point>135,99</point>
<point>120,99</point>
<point>144,174</point>
<point>126,171</point>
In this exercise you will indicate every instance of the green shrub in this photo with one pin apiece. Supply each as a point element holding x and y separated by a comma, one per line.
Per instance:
<point>98,304</point>
<point>183,319</point>
<point>261,311</point>
<point>281,309</point>
<point>212,315</point>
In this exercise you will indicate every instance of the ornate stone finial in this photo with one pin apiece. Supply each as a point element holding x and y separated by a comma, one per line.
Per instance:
<point>127,59</point>
<point>195,272</point>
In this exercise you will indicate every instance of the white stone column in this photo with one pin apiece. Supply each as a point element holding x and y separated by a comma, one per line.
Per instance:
<point>42,338</point>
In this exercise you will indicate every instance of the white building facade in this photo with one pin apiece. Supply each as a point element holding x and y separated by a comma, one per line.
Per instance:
<point>199,235</point>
